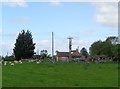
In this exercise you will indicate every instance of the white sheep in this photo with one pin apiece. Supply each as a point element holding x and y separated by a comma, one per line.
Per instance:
<point>15,61</point>
<point>32,60</point>
<point>29,61</point>
<point>12,64</point>
<point>0,62</point>
<point>5,63</point>
<point>37,62</point>
<point>20,62</point>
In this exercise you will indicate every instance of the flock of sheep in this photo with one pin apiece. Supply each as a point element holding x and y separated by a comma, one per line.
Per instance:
<point>11,63</point>
<point>15,62</point>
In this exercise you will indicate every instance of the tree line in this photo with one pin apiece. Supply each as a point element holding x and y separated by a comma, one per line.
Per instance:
<point>110,47</point>
<point>24,47</point>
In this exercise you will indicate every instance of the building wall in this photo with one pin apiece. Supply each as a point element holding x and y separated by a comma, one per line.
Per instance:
<point>62,58</point>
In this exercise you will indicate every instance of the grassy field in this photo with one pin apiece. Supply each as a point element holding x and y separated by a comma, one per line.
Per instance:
<point>60,75</point>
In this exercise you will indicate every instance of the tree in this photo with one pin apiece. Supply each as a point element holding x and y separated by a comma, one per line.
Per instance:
<point>95,48</point>
<point>43,54</point>
<point>84,52</point>
<point>101,48</point>
<point>24,46</point>
<point>116,50</point>
<point>112,39</point>
<point>107,47</point>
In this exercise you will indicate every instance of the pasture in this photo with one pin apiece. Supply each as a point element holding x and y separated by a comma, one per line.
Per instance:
<point>59,74</point>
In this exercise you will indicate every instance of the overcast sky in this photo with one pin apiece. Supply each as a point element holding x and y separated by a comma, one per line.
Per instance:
<point>86,22</point>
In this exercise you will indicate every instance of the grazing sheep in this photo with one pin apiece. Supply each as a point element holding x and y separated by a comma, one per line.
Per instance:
<point>40,61</point>
<point>37,62</point>
<point>0,62</point>
<point>5,63</point>
<point>15,61</point>
<point>20,62</point>
<point>29,60</point>
<point>12,64</point>
<point>32,60</point>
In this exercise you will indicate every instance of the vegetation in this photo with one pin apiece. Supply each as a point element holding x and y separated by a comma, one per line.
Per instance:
<point>24,46</point>
<point>113,39</point>
<point>84,52</point>
<point>109,47</point>
<point>8,58</point>
<point>43,54</point>
<point>59,74</point>
<point>101,48</point>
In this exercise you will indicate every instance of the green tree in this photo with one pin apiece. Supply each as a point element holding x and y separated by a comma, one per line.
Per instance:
<point>43,54</point>
<point>116,50</point>
<point>101,48</point>
<point>112,38</point>
<point>107,47</point>
<point>84,52</point>
<point>95,48</point>
<point>24,46</point>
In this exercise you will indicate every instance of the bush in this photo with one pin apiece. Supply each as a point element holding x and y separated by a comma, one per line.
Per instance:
<point>116,59</point>
<point>9,58</point>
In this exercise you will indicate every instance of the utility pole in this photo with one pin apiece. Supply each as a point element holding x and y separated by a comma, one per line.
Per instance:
<point>78,48</point>
<point>37,52</point>
<point>70,46</point>
<point>7,54</point>
<point>52,45</point>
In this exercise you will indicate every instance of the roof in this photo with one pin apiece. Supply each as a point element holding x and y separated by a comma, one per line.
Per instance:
<point>74,53</point>
<point>63,54</point>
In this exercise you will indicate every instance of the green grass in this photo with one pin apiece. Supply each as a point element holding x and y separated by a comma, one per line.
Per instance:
<point>60,75</point>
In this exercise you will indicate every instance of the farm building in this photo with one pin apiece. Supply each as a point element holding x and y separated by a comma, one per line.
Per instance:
<point>63,56</point>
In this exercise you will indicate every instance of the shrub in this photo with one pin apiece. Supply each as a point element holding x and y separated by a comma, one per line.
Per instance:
<point>116,59</point>
<point>9,58</point>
